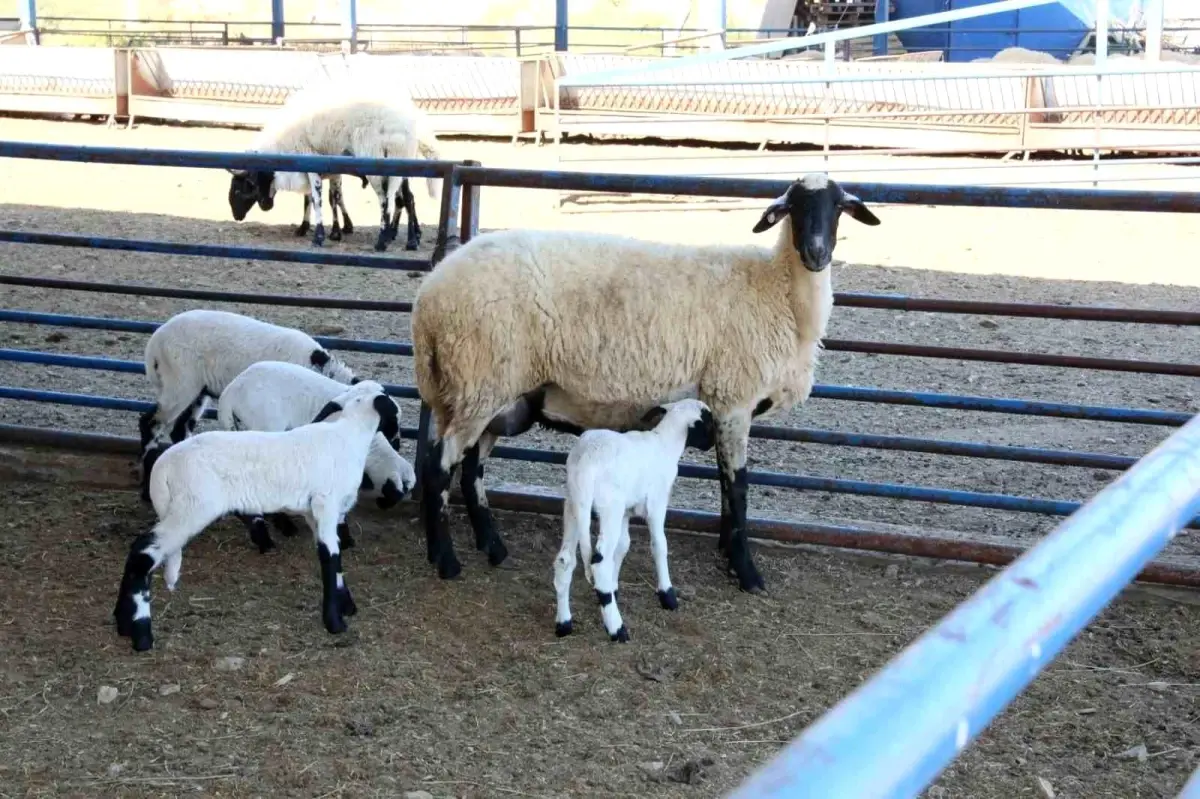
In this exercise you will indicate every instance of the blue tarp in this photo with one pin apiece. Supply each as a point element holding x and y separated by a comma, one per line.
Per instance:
<point>1120,12</point>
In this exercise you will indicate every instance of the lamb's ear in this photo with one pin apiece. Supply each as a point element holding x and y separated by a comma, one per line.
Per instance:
<point>389,416</point>
<point>354,381</point>
<point>329,409</point>
<point>390,495</point>
<point>653,416</point>
<point>775,211</point>
<point>857,209</point>
<point>701,434</point>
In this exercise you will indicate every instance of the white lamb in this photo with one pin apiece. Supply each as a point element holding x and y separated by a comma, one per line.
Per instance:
<point>314,470</point>
<point>277,396</point>
<point>578,330</point>
<point>616,474</point>
<point>341,117</point>
<point>194,355</point>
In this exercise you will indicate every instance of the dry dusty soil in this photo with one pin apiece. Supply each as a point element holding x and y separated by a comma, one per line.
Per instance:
<point>460,689</point>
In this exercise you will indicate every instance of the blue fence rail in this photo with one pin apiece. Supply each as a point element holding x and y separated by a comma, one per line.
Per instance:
<point>895,734</point>
<point>459,219</point>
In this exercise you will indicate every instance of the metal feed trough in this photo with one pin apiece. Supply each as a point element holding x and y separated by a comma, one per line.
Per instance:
<point>459,222</point>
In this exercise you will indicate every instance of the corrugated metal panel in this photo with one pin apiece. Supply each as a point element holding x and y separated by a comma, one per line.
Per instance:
<point>81,72</point>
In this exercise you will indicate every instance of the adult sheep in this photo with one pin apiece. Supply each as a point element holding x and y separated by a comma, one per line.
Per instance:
<point>341,118</point>
<point>579,330</point>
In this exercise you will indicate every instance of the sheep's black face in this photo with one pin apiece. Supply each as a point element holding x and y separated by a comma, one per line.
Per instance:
<point>248,188</point>
<point>814,204</point>
<point>703,432</point>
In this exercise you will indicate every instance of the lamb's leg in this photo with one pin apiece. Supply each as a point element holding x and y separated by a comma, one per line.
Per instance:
<point>283,523</point>
<point>604,569</point>
<point>619,555</point>
<point>381,190</point>
<point>345,540</point>
<point>335,197</point>
<point>577,522</point>
<point>471,480</point>
<point>397,210</point>
<point>146,553</point>
<point>303,228</point>
<point>256,526</point>
<point>732,436</point>
<point>314,190</point>
<point>414,226</point>
<point>656,517</point>
<point>336,601</point>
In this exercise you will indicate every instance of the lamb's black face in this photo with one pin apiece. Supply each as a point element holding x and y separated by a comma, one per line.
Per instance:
<point>814,204</point>
<point>248,188</point>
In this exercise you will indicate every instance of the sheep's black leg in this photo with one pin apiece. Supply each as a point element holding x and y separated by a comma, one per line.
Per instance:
<point>345,540</point>
<point>132,611</point>
<point>283,523</point>
<point>303,228</point>
<point>347,225</point>
<point>335,196</point>
<point>414,227</point>
<point>260,536</point>
<point>486,538</point>
<point>314,189</point>
<point>732,438</point>
<point>382,242</point>
<point>435,493</point>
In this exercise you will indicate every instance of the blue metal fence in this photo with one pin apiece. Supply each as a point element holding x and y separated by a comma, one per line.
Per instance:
<point>459,218</point>
<point>895,734</point>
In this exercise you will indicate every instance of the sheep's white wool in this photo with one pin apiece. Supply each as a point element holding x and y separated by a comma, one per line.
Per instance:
<point>615,475</point>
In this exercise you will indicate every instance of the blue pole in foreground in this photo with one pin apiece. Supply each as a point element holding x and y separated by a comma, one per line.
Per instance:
<point>27,9</point>
<point>276,20</point>
<point>560,26</point>
<point>882,15</point>
<point>896,733</point>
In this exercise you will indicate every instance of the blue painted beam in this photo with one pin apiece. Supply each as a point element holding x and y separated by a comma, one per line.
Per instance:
<point>896,733</point>
<point>276,20</point>
<point>561,25</point>
<point>882,15</point>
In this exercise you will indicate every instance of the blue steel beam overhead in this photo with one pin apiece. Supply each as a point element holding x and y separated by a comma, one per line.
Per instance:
<point>276,20</point>
<point>560,26</point>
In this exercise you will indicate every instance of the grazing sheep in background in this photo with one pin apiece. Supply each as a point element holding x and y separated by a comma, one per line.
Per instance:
<point>1019,55</point>
<point>341,118</point>
<point>314,470</point>
<point>616,474</point>
<point>274,396</point>
<point>578,330</point>
<point>194,355</point>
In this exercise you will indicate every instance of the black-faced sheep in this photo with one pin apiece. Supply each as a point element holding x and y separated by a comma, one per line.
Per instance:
<point>574,331</point>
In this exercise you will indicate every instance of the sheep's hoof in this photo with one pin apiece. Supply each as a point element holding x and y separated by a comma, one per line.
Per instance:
<point>621,636</point>
<point>749,580</point>
<point>449,567</point>
<point>143,639</point>
<point>302,230</point>
<point>346,603</point>
<point>562,629</point>
<point>334,623</point>
<point>380,244</point>
<point>496,552</point>
<point>348,228</point>
<point>335,234</point>
<point>319,237</point>
<point>412,244</point>
<point>668,599</point>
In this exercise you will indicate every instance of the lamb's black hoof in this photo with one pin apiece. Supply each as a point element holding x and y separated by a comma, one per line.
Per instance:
<point>411,245</point>
<point>348,228</point>
<point>319,237</point>
<point>302,230</point>
<point>381,243</point>
<point>346,603</point>
<point>335,234</point>
<point>449,568</point>
<point>749,580</point>
<point>563,629</point>
<point>668,599</point>
<point>334,623</point>
<point>621,636</point>
<point>143,639</point>
<point>496,552</point>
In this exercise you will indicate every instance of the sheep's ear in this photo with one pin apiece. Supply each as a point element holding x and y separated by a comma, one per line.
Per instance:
<point>775,211</point>
<point>653,416</point>
<point>857,209</point>
<point>329,409</point>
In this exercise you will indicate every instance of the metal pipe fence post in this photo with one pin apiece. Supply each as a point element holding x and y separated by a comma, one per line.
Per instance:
<point>1101,38</point>
<point>882,15</point>
<point>1154,29</point>
<point>560,26</point>
<point>27,9</point>
<point>276,21</point>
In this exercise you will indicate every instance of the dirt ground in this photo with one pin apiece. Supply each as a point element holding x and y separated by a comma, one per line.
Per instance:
<point>428,692</point>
